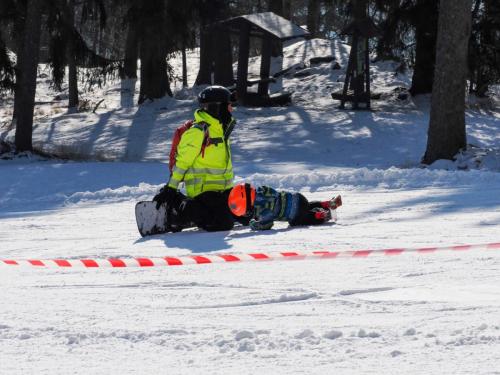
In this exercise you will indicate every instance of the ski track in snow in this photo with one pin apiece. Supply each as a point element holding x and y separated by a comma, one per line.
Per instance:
<point>307,316</point>
<point>328,327</point>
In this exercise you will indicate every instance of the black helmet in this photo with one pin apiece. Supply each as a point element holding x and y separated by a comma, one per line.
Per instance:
<point>214,94</point>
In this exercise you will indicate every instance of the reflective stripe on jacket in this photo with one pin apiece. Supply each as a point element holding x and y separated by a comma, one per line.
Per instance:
<point>211,170</point>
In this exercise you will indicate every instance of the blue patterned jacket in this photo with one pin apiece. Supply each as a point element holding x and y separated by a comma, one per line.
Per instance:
<point>271,205</point>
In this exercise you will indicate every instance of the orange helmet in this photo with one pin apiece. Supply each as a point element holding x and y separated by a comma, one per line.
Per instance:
<point>241,199</point>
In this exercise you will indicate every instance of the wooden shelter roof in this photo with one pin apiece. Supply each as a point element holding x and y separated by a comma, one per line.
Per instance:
<point>266,23</point>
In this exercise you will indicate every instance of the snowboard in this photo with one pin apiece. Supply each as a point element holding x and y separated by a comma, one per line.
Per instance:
<point>151,220</point>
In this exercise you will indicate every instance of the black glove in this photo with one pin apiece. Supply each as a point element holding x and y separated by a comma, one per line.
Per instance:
<point>166,195</point>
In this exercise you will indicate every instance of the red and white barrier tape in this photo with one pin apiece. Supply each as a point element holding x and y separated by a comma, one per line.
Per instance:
<point>227,258</point>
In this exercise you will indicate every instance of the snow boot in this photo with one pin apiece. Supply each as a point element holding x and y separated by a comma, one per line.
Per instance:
<point>322,215</point>
<point>335,202</point>
<point>332,204</point>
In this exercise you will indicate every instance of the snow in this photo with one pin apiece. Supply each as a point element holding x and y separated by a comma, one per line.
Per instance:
<point>408,314</point>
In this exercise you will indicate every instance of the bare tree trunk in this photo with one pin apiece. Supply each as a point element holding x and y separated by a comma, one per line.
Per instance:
<point>446,134</point>
<point>223,61</point>
<point>19,23</point>
<point>313,16</point>
<point>490,43</point>
<point>206,58</point>
<point>131,51</point>
<point>72,68</point>
<point>26,85</point>
<point>184,68</point>
<point>276,6</point>
<point>154,79</point>
<point>425,36</point>
<point>287,9</point>
<point>215,46</point>
<point>359,9</point>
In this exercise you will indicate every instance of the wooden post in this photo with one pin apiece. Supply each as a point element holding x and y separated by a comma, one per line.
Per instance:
<point>71,56</point>
<point>357,80</point>
<point>243,53</point>
<point>223,57</point>
<point>184,66</point>
<point>348,76</point>
<point>354,70</point>
<point>367,72</point>
<point>265,65</point>
<point>359,72</point>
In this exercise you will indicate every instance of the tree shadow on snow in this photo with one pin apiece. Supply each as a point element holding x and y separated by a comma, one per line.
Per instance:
<point>143,124</point>
<point>459,200</point>
<point>39,188</point>
<point>332,138</point>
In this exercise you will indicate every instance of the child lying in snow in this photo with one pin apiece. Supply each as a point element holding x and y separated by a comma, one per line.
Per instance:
<point>265,205</point>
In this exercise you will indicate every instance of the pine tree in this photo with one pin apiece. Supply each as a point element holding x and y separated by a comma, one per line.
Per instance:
<point>446,134</point>
<point>215,45</point>
<point>71,58</point>
<point>26,75</point>
<point>131,44</point>
<point>409,32</point>
<point>287,9</point>
<point>181,30</point>
<point>153,52</point>
<point>313,17</point>
<point>68,48</point>
<point>157,30</point>
<point>6,68</point>
<point>7,74</point>
<point>484,46</point>
<point>392,17</point>
<point>424,19</point>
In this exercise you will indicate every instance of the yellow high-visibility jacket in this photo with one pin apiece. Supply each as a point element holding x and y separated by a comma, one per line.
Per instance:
<point>210,170</point>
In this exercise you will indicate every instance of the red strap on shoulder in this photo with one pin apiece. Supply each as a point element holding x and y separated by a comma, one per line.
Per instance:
<point>175,142</point>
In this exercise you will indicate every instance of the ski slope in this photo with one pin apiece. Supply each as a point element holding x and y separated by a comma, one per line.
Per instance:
<point>411,314</point>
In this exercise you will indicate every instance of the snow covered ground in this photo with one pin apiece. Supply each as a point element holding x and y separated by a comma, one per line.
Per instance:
<point>410,314</point>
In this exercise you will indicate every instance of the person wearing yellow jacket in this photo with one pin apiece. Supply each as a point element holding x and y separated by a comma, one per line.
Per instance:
<point>203,164</point>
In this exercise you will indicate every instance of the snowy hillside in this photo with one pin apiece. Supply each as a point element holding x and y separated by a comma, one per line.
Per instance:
<point>394,134</point>
<point>410,314</point>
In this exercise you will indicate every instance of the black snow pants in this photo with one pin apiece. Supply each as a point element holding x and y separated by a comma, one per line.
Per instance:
<point>306,213</point>
<point>208,211</point>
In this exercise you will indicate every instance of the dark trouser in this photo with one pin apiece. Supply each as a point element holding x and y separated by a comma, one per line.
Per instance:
<point>208,211</point>
<point>305,214</point>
